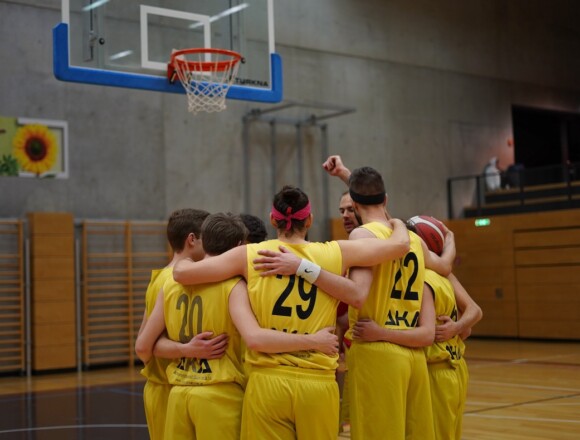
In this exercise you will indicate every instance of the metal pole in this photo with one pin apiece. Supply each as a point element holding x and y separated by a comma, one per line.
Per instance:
<point>521,186</point>
<point>273,156</point>
<point>78,306</point>
<point>568,180</point>
<point>449,201</point>
<point>27,305</point>
<point>246,162</point>
<point>325,192</point>
<point>261,116</point>
<point>299,155</point>
<point>480,195</point>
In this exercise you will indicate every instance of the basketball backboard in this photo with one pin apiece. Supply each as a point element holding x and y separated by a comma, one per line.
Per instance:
<point>128,43</point>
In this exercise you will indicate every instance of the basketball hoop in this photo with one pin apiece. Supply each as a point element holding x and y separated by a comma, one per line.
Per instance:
<point>206,76</point>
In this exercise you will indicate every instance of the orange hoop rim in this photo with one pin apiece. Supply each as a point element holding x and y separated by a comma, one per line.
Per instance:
<point>206,66</point>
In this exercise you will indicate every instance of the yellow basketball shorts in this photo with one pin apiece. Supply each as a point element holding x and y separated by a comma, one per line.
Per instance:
<point>155,397</point>
<point>344,415</point>
<point>463,373</point>
<point>448,395</point>
<point>389,392</point>
<point>204,412</point>
<point>344,418</point>
<point>285,403</point>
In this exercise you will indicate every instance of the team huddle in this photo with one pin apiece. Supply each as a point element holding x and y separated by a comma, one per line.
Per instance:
<point>240,337</point>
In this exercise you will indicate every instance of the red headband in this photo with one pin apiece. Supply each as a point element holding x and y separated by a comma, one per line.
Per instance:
<point>298,215</point>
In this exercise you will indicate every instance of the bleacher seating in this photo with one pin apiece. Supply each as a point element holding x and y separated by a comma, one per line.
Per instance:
<point>533,198</point>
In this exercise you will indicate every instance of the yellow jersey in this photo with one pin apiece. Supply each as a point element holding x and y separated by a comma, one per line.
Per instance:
<point>155,368</point>
<point>445,304</point>
<point>291,304</point>
<point>190,310</point>
<point>396,292</point>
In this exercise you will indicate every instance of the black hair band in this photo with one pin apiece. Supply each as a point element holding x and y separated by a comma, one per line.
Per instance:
<point>372,199</point>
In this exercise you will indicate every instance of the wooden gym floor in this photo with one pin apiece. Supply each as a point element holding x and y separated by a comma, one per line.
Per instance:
<point>518,390</point>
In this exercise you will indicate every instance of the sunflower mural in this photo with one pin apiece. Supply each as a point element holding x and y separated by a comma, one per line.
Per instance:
<point>32,148</point>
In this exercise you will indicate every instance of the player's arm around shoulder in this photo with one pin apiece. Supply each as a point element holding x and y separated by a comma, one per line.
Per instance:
<point>364,249</point>
<point>218,268</point>
<point>287,263</point>
<point>153,328</point>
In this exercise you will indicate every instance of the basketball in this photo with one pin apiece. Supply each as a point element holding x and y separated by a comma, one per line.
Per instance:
<point>430,230</point>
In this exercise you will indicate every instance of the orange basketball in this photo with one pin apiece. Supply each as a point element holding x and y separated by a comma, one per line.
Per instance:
<point>430,230</point>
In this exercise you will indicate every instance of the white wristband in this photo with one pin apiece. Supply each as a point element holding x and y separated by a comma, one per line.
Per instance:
<point>308,270</point>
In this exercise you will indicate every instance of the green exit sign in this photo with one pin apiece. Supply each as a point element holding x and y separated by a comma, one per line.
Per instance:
<point>479,222</point>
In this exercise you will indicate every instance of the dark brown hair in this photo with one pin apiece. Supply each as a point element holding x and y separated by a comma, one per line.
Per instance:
<point>294,198</point>
<point>256,228</point>
<point>181,223</point>
<point>222,231</point>
<point>366,181</point>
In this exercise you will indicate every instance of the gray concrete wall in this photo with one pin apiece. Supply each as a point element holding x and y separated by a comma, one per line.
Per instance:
<point>116,145</point>
<point>432,82</point>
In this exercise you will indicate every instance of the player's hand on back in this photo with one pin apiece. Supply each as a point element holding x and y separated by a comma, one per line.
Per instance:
<point>203,346</point>
<point>446,330</point>
<point>367,330</point>
<point>277,263</point>
<point>396,222</point>
<point>326,341</point>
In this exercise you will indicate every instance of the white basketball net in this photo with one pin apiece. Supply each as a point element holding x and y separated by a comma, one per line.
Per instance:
<point>206,78</point>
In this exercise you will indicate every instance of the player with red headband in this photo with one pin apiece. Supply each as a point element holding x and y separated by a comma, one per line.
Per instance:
<point>292,394</point>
